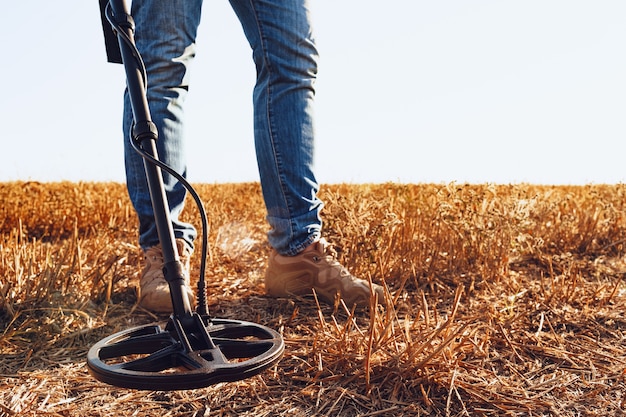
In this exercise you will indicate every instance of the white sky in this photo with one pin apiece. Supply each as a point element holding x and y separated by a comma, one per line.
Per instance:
<point>411,91</point>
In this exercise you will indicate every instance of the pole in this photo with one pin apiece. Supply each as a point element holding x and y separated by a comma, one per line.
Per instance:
<point>145,135</point>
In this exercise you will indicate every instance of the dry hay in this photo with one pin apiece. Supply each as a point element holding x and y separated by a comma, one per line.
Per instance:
<point>507,300</point>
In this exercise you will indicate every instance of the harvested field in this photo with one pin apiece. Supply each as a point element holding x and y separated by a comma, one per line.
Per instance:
<point>507,300</point>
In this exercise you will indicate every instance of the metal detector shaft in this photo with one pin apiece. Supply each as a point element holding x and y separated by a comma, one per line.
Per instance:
<point>145,136</point>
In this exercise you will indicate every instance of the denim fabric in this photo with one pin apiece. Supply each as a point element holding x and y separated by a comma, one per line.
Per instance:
<point>284,52</point>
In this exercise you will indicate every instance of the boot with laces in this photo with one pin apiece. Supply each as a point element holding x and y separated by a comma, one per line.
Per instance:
<point>317,268</point>
<point>154,291</point>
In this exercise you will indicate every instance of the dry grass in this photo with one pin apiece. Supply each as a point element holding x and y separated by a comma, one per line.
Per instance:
<point>507,300</point>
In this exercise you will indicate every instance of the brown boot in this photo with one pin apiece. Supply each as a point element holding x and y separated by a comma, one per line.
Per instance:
<point>317,268</point>
<point>154,291</point>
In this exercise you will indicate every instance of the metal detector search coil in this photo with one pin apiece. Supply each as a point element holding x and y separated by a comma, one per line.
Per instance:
<point>152,357</point>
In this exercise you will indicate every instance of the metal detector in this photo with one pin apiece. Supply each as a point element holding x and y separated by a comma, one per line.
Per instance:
<point>190,350</point>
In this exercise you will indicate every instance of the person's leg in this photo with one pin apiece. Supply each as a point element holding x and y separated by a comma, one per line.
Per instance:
<point>280,34</point>
<point>165,37</point>
<point>284,51</point>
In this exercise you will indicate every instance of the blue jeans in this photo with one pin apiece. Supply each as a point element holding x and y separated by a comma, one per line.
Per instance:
<point>284,52</point>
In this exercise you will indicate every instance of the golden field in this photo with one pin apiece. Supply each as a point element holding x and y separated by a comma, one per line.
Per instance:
<point>505,300</point>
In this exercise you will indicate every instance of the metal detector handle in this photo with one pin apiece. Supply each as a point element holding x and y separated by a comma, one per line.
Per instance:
<point>145,135</point>
<point>110,38</point>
